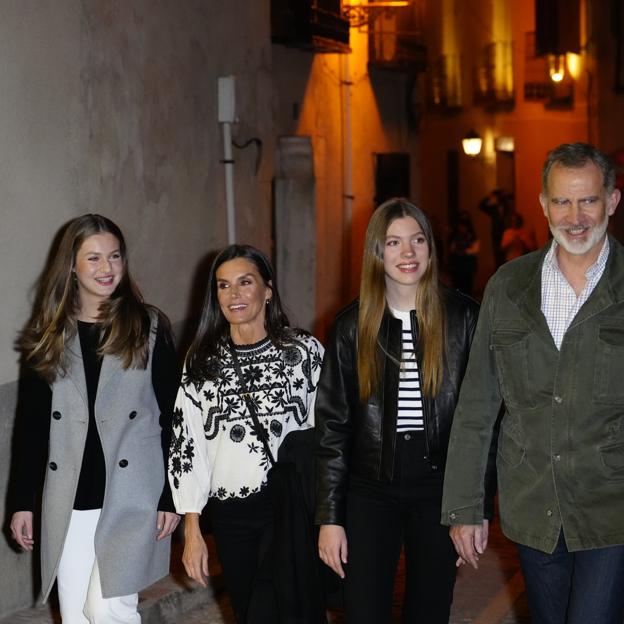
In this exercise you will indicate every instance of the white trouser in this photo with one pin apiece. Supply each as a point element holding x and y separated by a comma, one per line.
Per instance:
<point>78,579</point>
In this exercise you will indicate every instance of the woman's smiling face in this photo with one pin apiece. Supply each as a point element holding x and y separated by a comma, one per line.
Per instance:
<point>243,295</point>
<point>98,268</point>
<point>406,254</point>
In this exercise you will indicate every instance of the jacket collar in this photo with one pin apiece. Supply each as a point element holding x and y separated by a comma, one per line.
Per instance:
<point>525,288</point>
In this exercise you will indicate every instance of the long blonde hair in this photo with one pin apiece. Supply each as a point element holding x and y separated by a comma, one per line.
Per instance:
<point>124,317</point>
<point>428,302</point>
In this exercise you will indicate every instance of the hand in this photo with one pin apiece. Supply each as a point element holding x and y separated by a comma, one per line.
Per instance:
<point>166,523</point>
<point>22,529</point>
<point>332,547</point>
<point>195,555</point>
<point>470,541</point>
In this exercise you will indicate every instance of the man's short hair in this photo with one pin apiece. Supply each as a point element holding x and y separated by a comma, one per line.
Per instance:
<point>578,155</point>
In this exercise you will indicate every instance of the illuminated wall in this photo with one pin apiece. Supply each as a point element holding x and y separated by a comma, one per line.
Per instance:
<point>490,37</point>
<point>311,100</point>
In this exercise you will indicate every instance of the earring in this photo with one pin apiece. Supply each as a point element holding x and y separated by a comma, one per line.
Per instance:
<point>267,301</point>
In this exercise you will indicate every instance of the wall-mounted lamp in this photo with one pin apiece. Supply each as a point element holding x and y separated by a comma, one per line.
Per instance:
<point>472,143</point>
<point>556,67</point>
<point>504,144</point>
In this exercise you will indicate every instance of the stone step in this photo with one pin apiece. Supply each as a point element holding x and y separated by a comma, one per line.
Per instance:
<point>162,603</point>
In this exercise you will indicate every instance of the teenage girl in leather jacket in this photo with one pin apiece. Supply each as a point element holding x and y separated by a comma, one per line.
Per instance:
<point>385,401</point>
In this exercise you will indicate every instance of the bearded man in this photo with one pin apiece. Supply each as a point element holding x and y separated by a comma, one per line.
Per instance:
<point>549,344</point>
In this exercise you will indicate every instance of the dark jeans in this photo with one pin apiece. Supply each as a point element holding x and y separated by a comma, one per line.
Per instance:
<point>381,517</point>
<point>583,587</point>
<point>243,530</point>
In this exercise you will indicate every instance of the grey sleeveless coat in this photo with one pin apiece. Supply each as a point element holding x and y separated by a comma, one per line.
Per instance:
<point>127,417</point>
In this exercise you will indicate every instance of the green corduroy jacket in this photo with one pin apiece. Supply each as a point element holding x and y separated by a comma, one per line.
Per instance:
<point>561,444</point>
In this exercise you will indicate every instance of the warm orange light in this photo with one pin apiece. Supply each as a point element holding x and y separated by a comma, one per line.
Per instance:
<point>574,64</point>
<point>472,143</point>
<point>380,5</point>
<point>556,67</point>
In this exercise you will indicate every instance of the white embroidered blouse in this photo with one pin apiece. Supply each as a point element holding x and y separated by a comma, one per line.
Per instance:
<point>214,451</point>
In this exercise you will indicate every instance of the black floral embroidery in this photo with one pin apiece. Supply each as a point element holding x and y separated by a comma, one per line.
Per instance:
<point>237,433</point>
<point>291,356</point>
<point>253,376</point>
<point>281,383</point>
<point>253,447</point>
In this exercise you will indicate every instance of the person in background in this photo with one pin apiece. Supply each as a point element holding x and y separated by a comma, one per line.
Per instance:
<point>464,249</point>
<point>243,346</point>
<point>96,411</point>
<point>498,205</point>
<point>385,403</point>
<point>516,240</point>
<point>550,345</point>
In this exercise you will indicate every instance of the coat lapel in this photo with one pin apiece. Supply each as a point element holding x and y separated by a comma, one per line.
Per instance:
<point>76,367</point>
<point>526,293</point>
<point>110,365</point>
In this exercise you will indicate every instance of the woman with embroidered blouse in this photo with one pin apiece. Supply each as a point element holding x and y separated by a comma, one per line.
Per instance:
<point>216,453</point>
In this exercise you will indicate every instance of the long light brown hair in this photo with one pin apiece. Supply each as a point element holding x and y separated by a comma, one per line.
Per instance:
<point>428,302</point>
<point>123,317</point>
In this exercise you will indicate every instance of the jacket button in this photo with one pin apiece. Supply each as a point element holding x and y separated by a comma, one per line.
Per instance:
<point>123,463</point>
<point>53,465</point>
<point>452,516</point>
<point>56,415</point>
<point>549,513</point>
<point>407,437</point>
<point>558,399</point>
<point>557,457</point>
<point>132,415</point>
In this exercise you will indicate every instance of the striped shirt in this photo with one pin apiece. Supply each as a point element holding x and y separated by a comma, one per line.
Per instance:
<point>410,409</point>
<point>559,301</point>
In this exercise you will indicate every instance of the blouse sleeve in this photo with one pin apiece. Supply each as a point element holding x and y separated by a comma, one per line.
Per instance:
<point>189,466</point>
<point>316,360</point>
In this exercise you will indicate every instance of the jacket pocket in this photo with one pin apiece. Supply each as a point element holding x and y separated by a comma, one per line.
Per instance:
<point>612,458</point>
<point>608,386</point>
<point>511,347</point>
<point>510,450</point>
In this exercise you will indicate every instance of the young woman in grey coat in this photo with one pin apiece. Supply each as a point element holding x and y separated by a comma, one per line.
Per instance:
<point>96,409</point>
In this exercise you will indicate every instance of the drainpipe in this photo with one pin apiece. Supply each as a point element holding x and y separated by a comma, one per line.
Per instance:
<point>347,166</point>
<point>227,116</point>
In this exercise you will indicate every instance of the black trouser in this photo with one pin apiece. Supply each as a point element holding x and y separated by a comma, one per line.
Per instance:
<point>243,529</point>
<point>381,517</point>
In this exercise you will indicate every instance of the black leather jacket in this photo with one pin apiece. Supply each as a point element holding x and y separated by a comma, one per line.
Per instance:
<point>353,438</point>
